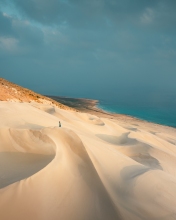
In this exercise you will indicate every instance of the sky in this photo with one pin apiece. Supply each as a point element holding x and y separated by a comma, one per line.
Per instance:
<point>89,48</point>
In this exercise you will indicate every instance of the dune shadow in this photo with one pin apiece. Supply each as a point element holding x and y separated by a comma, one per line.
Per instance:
<point>15,166</point>
<point>116,140</point>
<point>97,122</point>
<point>135,124</point>
<point>130,173</point>
<point>152,132</point>
<point>148,161</point>
<point>172,142</point>
<point>133,148</point>
<point>132,129</point>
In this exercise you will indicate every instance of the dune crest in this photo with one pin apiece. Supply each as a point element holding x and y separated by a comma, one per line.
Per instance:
<point>89,168</point>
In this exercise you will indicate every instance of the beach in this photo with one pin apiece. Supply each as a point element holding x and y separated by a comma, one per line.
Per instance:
<point>95,166</point>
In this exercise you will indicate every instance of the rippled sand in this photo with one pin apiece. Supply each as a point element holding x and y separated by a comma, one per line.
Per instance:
<point>91,168</point>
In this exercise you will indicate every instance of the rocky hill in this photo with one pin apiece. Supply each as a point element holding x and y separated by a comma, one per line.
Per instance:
<point>15,93</point>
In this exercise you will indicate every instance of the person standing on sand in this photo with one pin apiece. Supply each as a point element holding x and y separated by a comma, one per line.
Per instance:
<point>59,124</point>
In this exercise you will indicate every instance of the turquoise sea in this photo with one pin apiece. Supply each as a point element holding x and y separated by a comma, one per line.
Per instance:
<point>157,107</point>
<point>158,111</point>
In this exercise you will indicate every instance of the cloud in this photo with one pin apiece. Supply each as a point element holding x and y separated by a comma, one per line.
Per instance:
<point>148,16</point>
<point>5,24</point>
<point>19,36</point>
<point>122,42</point>
<point>95,14</point>
<point>81,12</point>
<point>9,44</point>
<point>27,33</point>
<point>43,11</point>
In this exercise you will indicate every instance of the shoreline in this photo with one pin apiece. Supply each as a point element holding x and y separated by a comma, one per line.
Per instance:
<point>91,106</point>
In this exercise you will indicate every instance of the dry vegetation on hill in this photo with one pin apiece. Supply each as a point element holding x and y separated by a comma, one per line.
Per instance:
<point>12,92</point>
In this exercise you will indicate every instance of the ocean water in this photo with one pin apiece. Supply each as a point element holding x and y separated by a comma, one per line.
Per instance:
<point>160,111</point>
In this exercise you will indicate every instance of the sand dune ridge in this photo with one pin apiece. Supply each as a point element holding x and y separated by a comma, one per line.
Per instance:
<point>90,168</point>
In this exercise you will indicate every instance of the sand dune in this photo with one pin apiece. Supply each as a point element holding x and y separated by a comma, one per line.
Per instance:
<point>89,169</point>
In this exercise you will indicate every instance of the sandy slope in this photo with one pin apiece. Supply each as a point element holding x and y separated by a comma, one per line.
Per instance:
<point>89,169</point>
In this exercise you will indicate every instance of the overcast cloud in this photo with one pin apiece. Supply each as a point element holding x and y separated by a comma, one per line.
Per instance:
<point>89,48</point>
